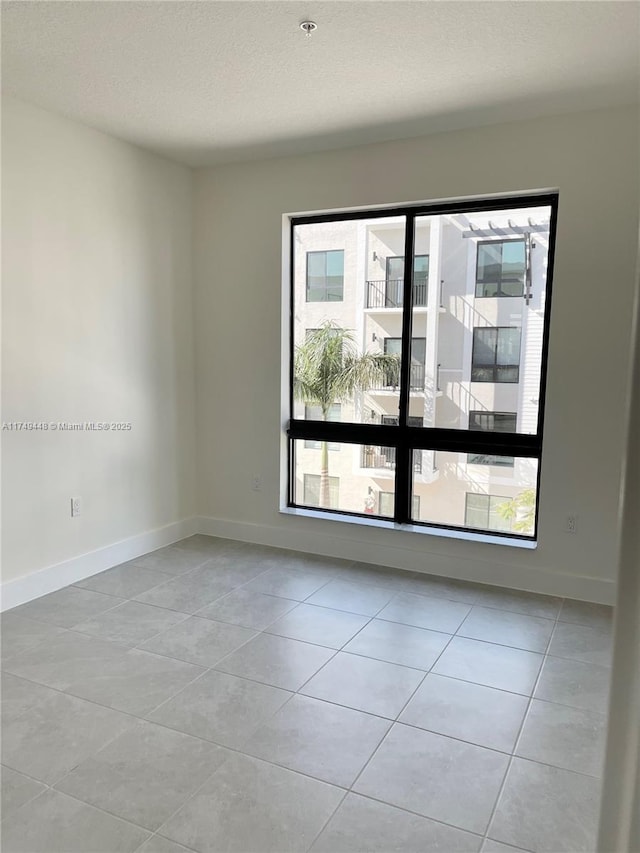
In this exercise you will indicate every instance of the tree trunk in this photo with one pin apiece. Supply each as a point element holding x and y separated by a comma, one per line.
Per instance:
<point>324,499</point>
<point>325,496</point>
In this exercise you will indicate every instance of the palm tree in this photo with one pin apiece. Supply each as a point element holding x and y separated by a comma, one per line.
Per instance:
<point>328,369</point>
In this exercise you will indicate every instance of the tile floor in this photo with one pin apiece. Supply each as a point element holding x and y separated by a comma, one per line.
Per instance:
<point>218,696</point>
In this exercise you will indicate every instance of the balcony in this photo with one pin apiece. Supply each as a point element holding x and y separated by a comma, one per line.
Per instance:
<point>416,381</point>
<point>385,458</point>
<point>389,294</point>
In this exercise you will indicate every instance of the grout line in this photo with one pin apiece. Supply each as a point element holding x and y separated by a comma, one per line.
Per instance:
<point>418,686</point>
<point>94,808</point>
<point>327,821</point>
<point>522,725</point>
<point>373,799</point>
<point>393,721</point>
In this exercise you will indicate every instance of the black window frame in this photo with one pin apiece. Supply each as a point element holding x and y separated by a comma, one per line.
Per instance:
<point>326,285</point>
<point>403,437</point>
<point>496,369</point>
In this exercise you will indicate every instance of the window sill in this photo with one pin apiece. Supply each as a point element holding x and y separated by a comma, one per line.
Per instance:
<point>443,533</point>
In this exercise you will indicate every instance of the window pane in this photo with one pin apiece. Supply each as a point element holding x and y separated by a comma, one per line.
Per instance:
<point>497,347</point>
<point>501,268</point>
<point>313,489</point>
<point>499,496</point>
<point>335,264</point>
<point>420,267</point>
<point>341,259</point>
<point>314,413</point>
<point>386,502</point>
<point>476,510</point>
<point>488,269</point>
<point>498,517</point>
<point>513,267</point>
<point>493,421</point>
<point>487,459</point>
<point>316,264</point>
<point>507,374</point>
<point>479,351</point>
<point>484,346</point>
<point>325,276</point>
<point>508,349</point>
<point>395,269</point>
<point>349,484</point>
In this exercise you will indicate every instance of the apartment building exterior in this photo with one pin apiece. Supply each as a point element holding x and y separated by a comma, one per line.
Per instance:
<point>478,320</point>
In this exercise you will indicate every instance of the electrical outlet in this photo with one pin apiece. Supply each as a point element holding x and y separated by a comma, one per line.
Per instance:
<point>256,484</point>
<point>571,523</point>
<point>76,506</point>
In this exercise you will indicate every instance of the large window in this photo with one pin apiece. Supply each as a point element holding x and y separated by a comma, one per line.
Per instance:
<point>325,276</point>
<point>496,354</point>
<point>412,388</point>
<point>501,268</point>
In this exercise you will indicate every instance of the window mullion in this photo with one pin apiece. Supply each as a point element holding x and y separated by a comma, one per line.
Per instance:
<point>403,454</point>
<point>407,302</point>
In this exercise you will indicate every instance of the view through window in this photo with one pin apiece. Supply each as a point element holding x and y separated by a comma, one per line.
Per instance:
<point>417,389</point>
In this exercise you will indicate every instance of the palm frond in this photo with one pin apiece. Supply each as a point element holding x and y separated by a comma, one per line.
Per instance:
<point>328,368</point>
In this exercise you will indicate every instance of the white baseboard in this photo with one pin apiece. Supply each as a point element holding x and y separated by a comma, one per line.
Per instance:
<point>52,578</point>
<point>356,547</point>
<point>351,547</point>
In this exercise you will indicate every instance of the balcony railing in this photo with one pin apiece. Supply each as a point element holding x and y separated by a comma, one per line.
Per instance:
<point>416,380</point>
<point>385,457</point>
<point>389,294</point>
<point>378,457</point>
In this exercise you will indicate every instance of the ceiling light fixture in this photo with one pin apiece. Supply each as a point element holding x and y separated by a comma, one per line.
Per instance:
<point>308,27</point>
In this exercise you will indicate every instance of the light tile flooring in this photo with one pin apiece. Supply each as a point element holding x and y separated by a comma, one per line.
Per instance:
<point>218,696</point>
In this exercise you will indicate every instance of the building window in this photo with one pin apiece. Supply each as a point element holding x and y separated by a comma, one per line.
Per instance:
<point>314,413</point>
<point>492,422</point>
<point>490,459</point>
<point>393,346</point>
<point>483,512</point>
<point>496,354</point>
<point>501,268</point>
<point>325,276</point>
<point>311,493</point>
<point>386,502</point>
<point>394,281</point>
<point>395,417</point>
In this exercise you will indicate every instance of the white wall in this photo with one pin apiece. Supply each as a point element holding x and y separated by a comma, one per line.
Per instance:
<point>592,159</point>
<point>620,811</point>
<point>97,312</point>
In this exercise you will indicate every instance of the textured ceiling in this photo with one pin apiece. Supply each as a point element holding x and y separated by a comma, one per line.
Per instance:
<point>210,82</point>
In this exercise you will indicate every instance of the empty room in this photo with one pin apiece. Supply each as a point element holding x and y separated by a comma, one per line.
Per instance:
<point>320,417</point>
